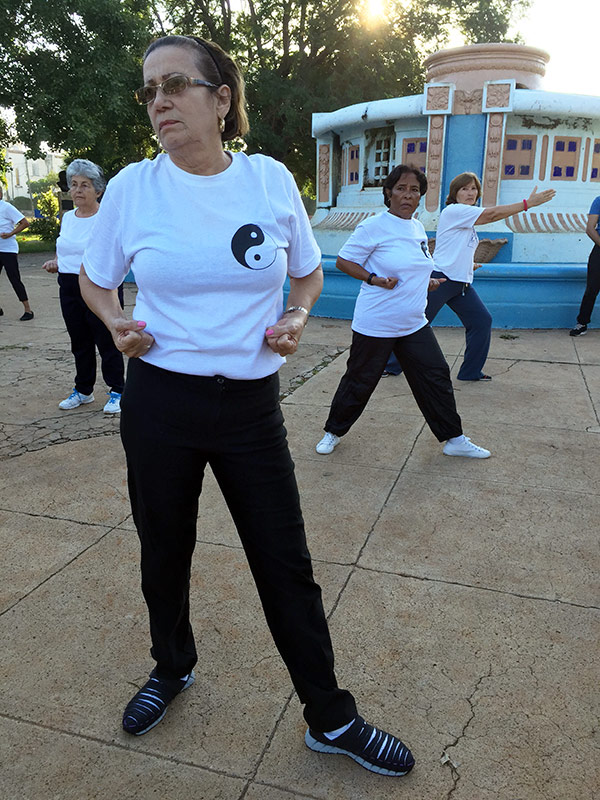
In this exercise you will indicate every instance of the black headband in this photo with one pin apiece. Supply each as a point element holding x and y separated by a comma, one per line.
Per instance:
<point>205,46</point>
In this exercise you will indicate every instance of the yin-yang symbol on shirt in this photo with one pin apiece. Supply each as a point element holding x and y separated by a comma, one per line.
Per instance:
<point>425,249</point>
<point>253,248</point>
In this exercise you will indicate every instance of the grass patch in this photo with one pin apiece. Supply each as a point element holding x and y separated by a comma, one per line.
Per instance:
<point>33,244</point>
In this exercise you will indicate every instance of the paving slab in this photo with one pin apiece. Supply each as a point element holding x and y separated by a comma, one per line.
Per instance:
<point>538,457</point>
<point>222,722</point>
<point>510,540</point>
<point>84,481</point>
<point>36,547</point>
<point>73,768</point>
<point>473,676</point>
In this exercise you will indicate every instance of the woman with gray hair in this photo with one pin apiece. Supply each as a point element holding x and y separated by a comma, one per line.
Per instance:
<point>86,184</point>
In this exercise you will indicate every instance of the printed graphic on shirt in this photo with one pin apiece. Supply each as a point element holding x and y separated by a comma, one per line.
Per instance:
<point>253,248</point>
<point>425,249</point>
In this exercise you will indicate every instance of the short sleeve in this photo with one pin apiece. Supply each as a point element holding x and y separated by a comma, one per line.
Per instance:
<point>14,214</point>
<point>359,246</point>
<point>104,260</point>
<point>304,255</point>
<point>595,209</point>
<point>460,215</point>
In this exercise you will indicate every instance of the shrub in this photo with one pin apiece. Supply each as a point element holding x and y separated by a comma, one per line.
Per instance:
<point>23,204</point>
<point>46,227</point>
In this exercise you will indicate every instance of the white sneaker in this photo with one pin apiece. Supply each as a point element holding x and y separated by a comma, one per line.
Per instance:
<point>75,399</point>
<point>465,448</point>
<point>113,404</point>
<point>327,443</point>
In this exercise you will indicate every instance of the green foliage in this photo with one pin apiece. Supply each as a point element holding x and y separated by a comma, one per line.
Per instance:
<point>46,227</point>
<point>42,184</point>
<point>46,203</point>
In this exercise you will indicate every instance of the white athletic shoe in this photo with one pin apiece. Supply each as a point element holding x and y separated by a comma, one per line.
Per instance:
<point>113,404</point>
<point>465,448</point>
<point>327,444</point>
<point>75,399</point>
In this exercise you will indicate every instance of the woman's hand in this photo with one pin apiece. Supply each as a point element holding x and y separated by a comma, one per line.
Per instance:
<point>50,266</point>
<point>435,283</point>
<point>538,198</point>
<point>384,283</point>
<point>131,338</point>
<point>283,337</point>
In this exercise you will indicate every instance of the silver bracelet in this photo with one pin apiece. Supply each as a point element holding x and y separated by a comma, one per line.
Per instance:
<point>297,308</point>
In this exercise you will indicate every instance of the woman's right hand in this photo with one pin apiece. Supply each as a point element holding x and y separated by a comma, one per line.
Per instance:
<point>50,266</point>
<point>131,338</point>
<point>384,283</point>
<point>538,198</point>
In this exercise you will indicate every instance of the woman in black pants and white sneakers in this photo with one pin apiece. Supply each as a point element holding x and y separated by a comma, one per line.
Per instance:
<point>211,236</point>
<point>389,254</point>
<point>86,183</point>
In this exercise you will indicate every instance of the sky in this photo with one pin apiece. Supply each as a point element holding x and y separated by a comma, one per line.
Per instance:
<point>569,31</point>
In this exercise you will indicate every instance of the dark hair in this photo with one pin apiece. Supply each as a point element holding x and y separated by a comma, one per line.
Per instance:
<point>219,68</point>
<point>462,180</point>
<point>395,175</point>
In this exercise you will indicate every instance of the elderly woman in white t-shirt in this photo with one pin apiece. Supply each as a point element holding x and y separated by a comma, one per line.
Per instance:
<point>455,245</point>
<point>86,183</point>
<point>389,254</point>
<point>211,236</point>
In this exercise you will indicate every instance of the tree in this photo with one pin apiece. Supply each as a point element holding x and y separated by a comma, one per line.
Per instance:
<point>42,184</point>
<point>69,69</point>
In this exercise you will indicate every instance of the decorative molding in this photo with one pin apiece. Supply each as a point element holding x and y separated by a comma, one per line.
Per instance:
<point>498,95</point>
<point>435,152</point>
<point>437,98</point>
<point>493,160</point>
<point>324,172</point>
<point>343,220</point>
<point>543,157</point>
<point>468,102</point>
<point>547,222</point>
<point>586,160</point>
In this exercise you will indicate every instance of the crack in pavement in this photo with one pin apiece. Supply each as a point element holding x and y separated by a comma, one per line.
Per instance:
<point>445,757</point>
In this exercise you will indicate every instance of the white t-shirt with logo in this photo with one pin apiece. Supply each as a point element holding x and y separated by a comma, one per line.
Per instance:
<point>391,247</point>
<point>456,241</point>
<point>9,216</point>
<point>74,235</point>
<point>210,254</point>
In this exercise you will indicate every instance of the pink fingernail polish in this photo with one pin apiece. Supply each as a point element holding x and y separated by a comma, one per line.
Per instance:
<point>270,332</point>
<point>141,324</point>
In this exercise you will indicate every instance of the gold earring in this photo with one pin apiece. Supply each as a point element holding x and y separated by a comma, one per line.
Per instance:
<point>221,125</point>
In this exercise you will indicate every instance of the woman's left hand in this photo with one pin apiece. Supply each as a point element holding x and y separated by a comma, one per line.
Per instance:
<point>283,337</point>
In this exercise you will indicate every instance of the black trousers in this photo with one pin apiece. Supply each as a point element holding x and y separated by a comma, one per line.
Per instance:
<point>592,287</point>
<point>424,367</point>
<point>237,428</point>
<point>87,332</point>
<point>10,262</point>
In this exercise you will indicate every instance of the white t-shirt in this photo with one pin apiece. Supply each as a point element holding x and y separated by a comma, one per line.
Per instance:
<point>73,238</point>
<point>9,216</point>
<point>456,241</point>
<point>210,254</point>
<point>391,247</point>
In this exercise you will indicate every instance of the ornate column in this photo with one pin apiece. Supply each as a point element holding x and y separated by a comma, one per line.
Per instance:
<point>437,104</point>
<point>497,101</point>
<point>325,172</point>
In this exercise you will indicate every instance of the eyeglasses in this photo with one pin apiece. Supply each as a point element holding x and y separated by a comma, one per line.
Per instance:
<point>173,85</point>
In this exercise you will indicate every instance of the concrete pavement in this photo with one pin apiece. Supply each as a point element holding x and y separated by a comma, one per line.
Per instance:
<point>462,594</point>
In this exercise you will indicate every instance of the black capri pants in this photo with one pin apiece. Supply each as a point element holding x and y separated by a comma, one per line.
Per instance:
<point>237,428</point>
